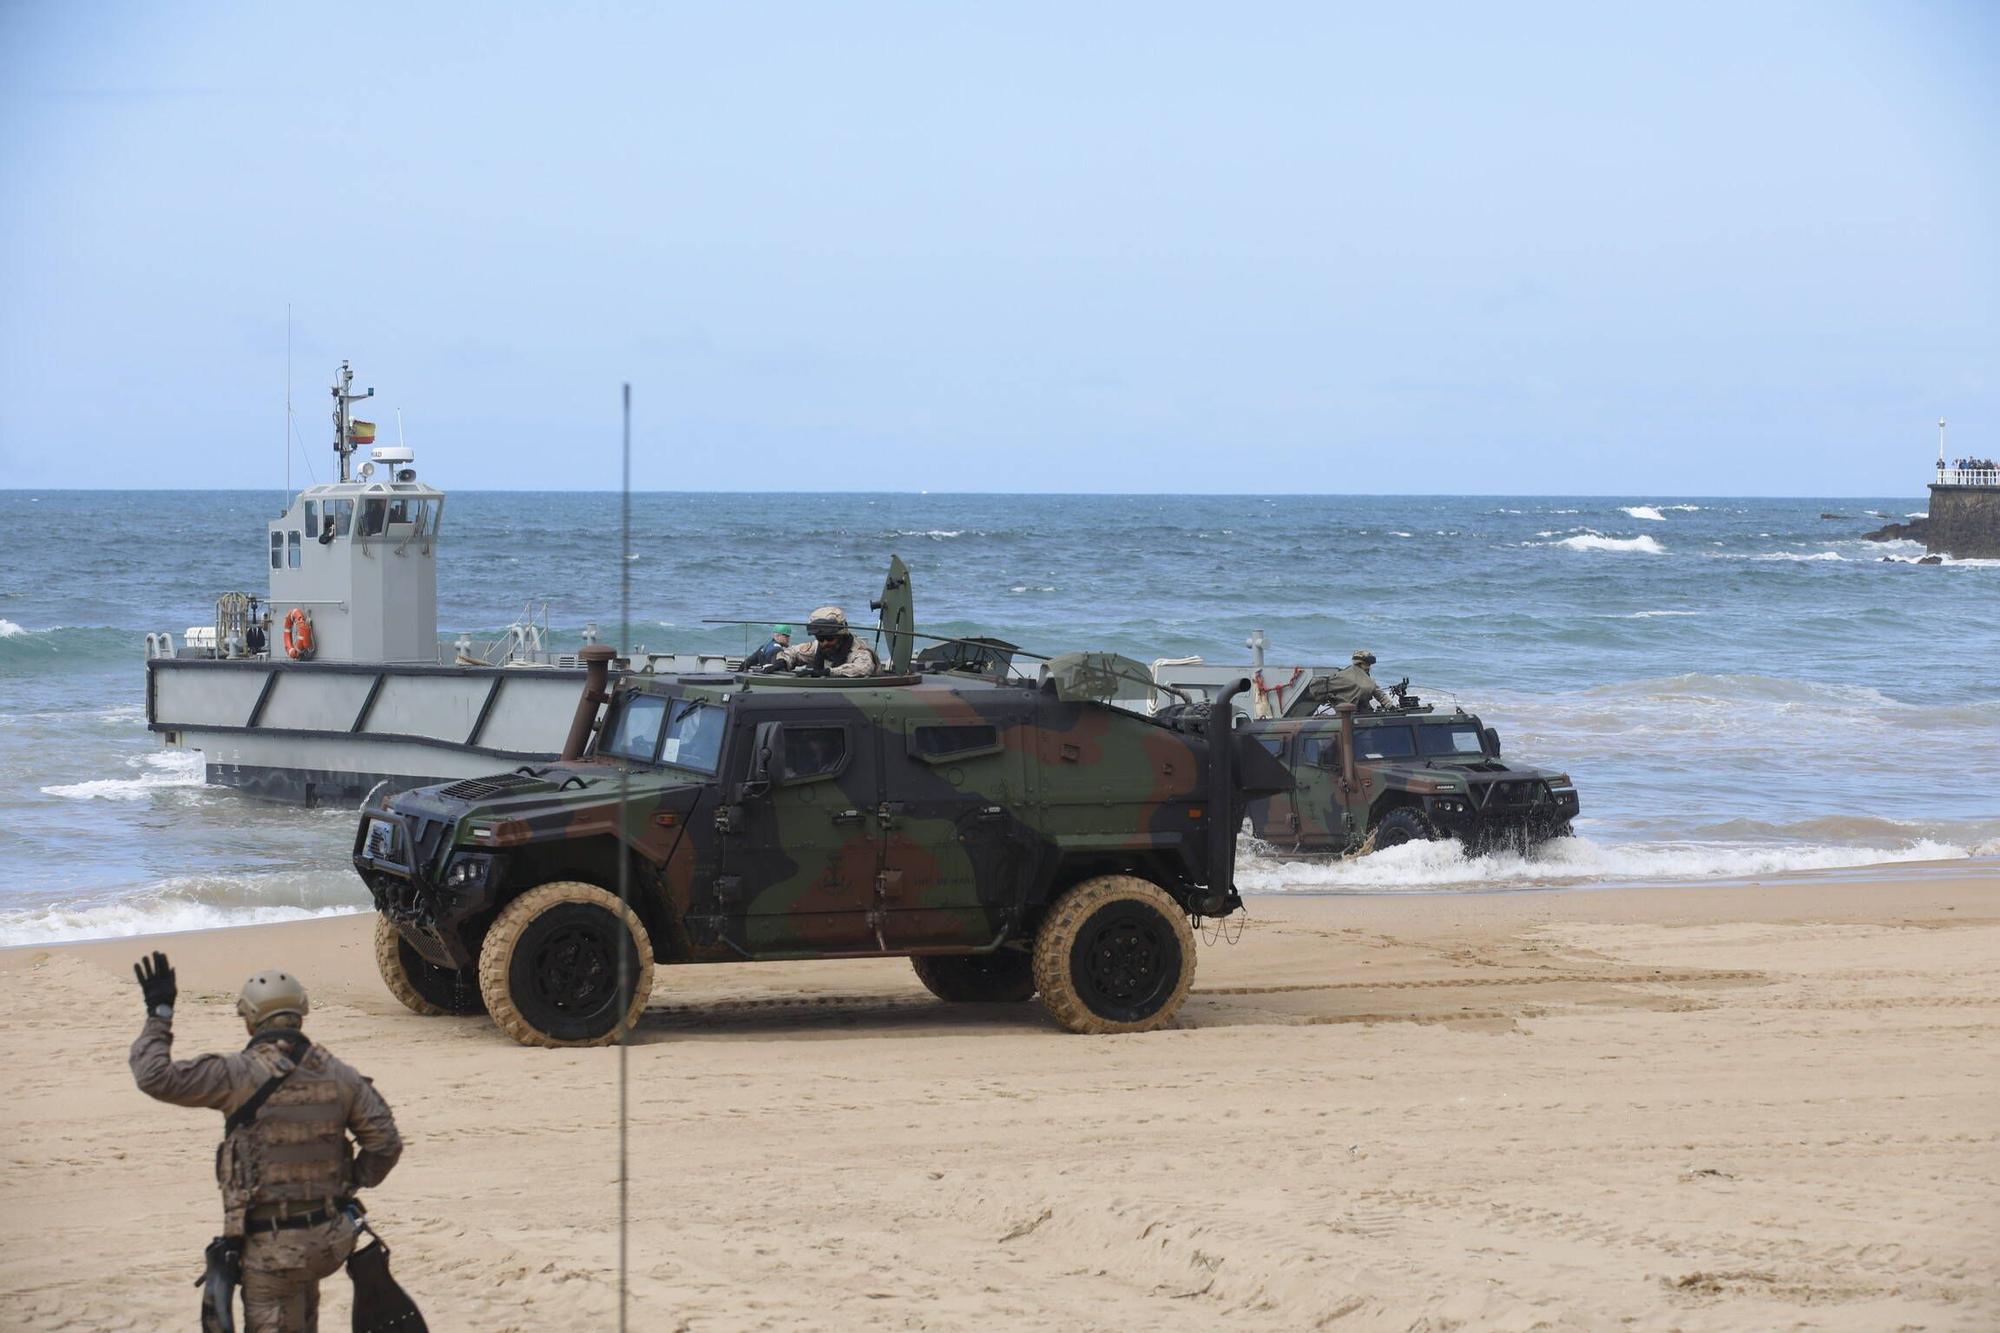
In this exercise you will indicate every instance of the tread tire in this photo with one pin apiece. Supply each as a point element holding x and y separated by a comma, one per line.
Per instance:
<point>1003,977</point>
<point>1067,922</point>
<point>434,993</point>
<point>497,955</point>
<point>1402,825</point>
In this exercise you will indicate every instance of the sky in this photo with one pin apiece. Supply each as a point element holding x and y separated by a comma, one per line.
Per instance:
<point>1690,249</point>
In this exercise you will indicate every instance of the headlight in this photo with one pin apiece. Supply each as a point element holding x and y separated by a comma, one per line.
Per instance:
<point>466,870</point>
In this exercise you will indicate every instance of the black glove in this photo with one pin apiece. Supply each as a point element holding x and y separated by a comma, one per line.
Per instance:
<point>156,981</point>
<point>802,671</point>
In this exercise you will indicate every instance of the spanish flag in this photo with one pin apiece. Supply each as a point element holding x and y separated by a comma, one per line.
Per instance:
<point>361,432</point>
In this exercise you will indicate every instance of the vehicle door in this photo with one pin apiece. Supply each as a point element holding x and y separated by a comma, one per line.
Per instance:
<point>1323,811</point>
<point>1275,818</point>
<point>801,840</point>
<point>956,856</point>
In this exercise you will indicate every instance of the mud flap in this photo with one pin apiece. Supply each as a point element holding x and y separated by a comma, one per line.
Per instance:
<point>380,1304</point>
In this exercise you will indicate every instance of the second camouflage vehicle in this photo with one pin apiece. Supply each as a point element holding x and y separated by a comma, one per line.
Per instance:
<point>1367,781</point>
<point>1012,838</point>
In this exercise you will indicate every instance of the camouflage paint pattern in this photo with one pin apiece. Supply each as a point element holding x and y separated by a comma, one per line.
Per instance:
<point>1475,799</point>
<point>956,810</point>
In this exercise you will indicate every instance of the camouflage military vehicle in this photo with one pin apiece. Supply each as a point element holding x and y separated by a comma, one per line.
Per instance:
<point>1366,781</point>
<point>1011,837</point>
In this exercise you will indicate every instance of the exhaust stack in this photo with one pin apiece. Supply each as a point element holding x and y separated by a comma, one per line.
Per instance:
<point>596,679</point>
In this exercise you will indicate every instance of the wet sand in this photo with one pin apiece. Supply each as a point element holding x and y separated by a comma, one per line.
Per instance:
<point>1737,1106</point>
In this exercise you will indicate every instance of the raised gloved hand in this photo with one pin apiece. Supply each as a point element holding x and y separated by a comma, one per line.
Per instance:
<point>156,981</point>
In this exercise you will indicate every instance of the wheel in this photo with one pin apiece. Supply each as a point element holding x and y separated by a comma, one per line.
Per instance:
<point>549,966</point>
<point>1005,976</point>
<point>1115,954</point>
<point>423,986</point>
<point>1402,825</point>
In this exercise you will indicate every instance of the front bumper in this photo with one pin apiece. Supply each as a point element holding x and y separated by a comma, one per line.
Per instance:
<point>1517,813</point>
<point>413,874</point>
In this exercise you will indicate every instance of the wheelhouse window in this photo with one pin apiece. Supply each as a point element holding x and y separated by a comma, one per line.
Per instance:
<point>277,550</point>
<point>636,733</point>
<point>812,752</point>
<point>334,518</point>
<point>1384,743</point>
<point>374,518</point>
<point>1449,738</point>
<point>694,737</point>
<point>292,550</point>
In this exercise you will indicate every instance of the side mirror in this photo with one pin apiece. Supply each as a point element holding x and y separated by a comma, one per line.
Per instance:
<point>767,758</point>
<point>1492,739</point>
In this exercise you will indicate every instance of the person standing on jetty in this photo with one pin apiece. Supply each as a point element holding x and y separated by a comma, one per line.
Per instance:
<point>285,1167</point>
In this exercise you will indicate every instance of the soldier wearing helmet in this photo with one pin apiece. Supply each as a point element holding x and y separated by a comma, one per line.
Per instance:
<point>833,650</point>
<point>1353,685</point>
<point>286,1169</point>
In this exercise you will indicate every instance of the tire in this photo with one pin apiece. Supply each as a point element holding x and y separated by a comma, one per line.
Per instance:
<point>423,986</point>
<point>1115,954</point>
<point>549,966</point>
<point>1006,976</point>
<point>1403,825</point>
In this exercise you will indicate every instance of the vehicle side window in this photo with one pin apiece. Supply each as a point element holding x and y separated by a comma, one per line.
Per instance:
<point>277,550</point>
<point>934,744</point>
<point>1384,743</point>
<point>814,752</point>
<point>1320,752</point>
<point>1273,746</point>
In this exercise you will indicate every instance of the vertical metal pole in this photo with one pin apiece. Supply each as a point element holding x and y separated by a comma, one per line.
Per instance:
<point>624,861</point>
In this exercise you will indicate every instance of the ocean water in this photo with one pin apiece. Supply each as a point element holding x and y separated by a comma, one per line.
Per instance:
<point>1738,686</point>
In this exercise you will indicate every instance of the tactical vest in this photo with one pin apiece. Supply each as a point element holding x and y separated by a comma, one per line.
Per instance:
<point>296,1150</point>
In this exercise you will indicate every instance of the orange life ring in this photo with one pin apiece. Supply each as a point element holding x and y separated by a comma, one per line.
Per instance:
<point>298,634</point>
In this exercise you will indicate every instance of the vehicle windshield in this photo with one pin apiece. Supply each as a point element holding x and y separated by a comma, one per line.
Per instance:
<point>636,735</point>
<point>694,737</point>
<point>1450,738</point>
<point>1383,743</point>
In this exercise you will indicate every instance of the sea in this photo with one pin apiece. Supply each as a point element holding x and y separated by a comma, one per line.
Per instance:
<point>1740,687</point>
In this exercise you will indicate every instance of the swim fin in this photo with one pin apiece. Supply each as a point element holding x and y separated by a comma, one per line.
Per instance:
<point>380,1305</point>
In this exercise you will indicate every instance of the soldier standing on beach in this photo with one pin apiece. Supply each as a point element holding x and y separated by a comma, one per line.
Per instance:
<point>285,1167</point>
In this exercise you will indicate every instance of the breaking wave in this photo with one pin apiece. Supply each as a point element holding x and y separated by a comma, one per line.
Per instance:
<point>1597,541</point>
<point>155,772</point>
<point>8,629</point>
<point>191,902</point>
<point>1568,862</point>
<point>1646,512</point>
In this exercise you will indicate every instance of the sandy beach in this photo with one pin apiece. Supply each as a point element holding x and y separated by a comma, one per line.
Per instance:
<point>1740,1106</point>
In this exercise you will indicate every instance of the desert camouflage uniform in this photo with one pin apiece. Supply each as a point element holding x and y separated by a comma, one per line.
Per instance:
<point>849,657</point>
<point>293,1159</point>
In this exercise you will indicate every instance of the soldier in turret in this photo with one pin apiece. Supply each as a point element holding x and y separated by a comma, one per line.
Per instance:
<point>834,651</point>
<point>286,1169</point>
<point>1352,685</point>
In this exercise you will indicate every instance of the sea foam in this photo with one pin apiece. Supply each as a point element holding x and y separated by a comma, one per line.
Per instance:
<point>155,772</point>
<point>1646,512</point>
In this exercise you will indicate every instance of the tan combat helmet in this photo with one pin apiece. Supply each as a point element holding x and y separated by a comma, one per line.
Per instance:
<point>1364,657</point>
<point>827,623</point>
<point>269,994</point>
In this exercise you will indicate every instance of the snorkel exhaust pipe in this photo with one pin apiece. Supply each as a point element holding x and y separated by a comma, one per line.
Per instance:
<point>596,678</point>
<point>1222,899</point>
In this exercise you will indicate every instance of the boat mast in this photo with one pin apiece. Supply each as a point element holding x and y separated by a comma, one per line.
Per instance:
<point>343,419</point>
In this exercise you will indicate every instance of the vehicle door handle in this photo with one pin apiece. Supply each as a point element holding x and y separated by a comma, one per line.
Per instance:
<point>848,817</point>
<point>992,814</point>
